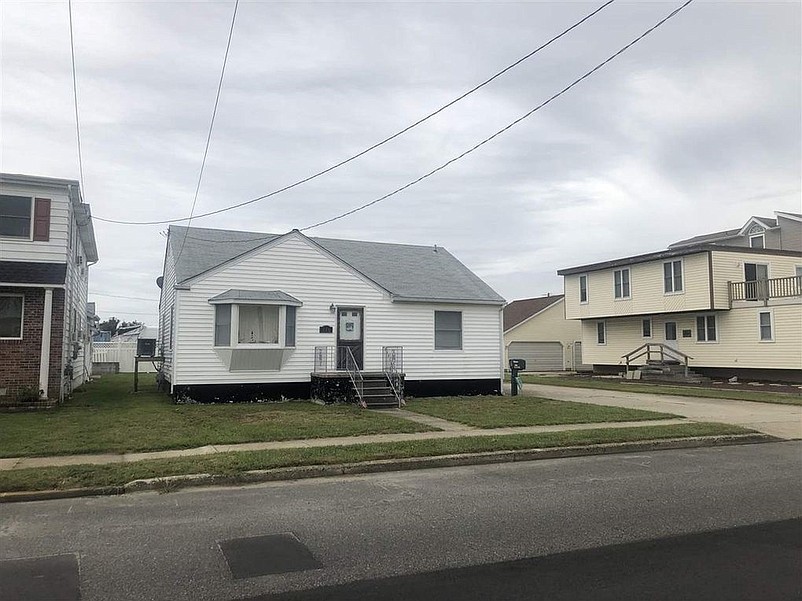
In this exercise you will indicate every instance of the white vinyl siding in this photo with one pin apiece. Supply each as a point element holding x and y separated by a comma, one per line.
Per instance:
<point>54,250</point>
<point>318,281</point>
<point>730,266</point>
<point>738,344</point>
<point>647,291</point>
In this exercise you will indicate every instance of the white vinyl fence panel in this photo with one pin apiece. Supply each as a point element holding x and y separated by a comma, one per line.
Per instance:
<point>119,352</point>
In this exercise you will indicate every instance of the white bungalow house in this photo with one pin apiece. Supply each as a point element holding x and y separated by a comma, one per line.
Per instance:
<point>727,303</point>
<point>247,315</point>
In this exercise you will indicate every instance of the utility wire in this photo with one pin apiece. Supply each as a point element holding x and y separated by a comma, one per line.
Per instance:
<point>504,129</point>
<point>75,98</point>
<point>125,297</point>
<point>377,144</point>
<point>211,124</point>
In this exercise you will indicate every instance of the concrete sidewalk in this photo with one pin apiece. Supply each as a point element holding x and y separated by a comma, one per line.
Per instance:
<point>782,421</point>
<point>454,431</point>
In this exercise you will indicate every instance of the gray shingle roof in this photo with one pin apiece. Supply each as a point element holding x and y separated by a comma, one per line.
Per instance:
<point>408,272</point>
<point>276,296</point>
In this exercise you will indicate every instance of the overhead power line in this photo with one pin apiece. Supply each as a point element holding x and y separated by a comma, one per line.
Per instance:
<point>211,124</point>
<point>125,297</point>
<point>502,130</point>
<point>75,102</point>
<point>377,144</point>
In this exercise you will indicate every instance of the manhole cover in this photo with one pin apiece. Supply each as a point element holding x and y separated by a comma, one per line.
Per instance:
<point>263,555</point>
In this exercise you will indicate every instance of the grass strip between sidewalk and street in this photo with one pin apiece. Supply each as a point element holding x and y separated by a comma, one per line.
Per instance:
<point>508,411</point>
<point>759,396</point>
<point>233,463</point>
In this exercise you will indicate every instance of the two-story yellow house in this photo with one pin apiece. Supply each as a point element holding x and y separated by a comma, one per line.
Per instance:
<point>728,303</point>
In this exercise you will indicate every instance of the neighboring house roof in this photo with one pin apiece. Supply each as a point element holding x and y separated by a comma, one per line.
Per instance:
<point>268,296</point>
<point>707,238</point>
<point>407,272</point>
<point>767,222</point>
<point>676,252</point>
<point>519,311</point>
<point>24,272</point>
<point>794,216</point>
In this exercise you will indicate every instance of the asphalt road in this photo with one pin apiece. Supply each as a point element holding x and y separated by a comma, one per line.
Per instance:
<point>718,523</point>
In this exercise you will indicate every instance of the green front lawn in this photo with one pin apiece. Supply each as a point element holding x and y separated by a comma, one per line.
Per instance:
<point>104,416</point>
<point>504,411</point>
<point>761,396</point>
<point>232,464</point>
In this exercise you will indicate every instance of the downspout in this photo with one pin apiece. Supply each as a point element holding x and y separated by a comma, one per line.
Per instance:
<point>44,356</point>
<point>501,347</point>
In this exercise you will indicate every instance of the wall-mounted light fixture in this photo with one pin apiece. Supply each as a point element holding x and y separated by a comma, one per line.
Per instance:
<point>332,308</point>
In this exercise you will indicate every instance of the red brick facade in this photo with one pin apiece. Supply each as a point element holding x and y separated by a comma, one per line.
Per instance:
<point>19,359</point>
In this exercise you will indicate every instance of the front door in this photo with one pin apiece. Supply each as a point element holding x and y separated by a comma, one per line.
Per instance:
<point>671,334</point>
<point>350,334</point>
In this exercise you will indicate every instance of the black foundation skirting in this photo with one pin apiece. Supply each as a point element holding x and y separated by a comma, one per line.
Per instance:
<point>240,393</point>
<point>426,388</point>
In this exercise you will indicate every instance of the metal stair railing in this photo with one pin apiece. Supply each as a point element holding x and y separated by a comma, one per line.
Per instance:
<point>393,367</point>
<point>352,367</point>
<point>662,351</point>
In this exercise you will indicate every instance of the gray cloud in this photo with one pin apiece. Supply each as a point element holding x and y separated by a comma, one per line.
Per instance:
<point>691,131</point>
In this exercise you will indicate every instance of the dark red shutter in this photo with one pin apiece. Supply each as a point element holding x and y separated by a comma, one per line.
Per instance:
<point>41,219</point>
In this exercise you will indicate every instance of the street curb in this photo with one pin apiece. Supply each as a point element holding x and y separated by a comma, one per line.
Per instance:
<point>171,483</point>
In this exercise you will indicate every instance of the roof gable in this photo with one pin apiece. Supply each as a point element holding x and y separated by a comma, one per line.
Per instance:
<point>407,272</point>
<point>519,311</point>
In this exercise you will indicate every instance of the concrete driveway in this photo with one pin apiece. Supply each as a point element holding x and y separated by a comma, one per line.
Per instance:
<point>782,421</point>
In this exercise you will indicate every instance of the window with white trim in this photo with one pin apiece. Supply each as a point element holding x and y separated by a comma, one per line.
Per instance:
<point>16,216</point>
<point>254,324</point>
<point>12,307</point>
<point>646,328</point>
<point>672,276</point>
<point>601,332</point>
<point>583,289</point>
<point>706,328</point>
<point>766,326</point>
<point>448,330</point>
<point>621,283</point>
<point>757,241</point>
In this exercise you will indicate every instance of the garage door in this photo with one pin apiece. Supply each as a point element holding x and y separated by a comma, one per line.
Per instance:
<point>539,356</point>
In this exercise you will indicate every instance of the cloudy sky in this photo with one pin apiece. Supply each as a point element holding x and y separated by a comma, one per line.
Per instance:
<point>693,130</point>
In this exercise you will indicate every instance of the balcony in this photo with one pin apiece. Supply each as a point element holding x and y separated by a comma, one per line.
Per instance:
<point>765,290</point>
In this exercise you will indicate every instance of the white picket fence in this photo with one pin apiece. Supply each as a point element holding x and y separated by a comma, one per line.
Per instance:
<point>119,352</point>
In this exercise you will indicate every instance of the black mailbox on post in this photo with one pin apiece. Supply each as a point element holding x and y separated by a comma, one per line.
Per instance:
<point>516,365</point>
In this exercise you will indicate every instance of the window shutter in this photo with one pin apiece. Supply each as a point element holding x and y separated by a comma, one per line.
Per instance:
<point>41,220</point>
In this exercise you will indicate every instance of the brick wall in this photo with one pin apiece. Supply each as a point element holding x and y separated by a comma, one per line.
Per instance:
<point>19,359</point>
